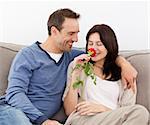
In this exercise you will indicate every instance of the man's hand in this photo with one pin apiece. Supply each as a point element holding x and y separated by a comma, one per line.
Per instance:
<point>129,75</point>
<point>51,122</point>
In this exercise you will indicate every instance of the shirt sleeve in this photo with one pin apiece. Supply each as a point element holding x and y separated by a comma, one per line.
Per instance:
<point>69,78</point>
<point>70,68</point>
<point>126,97</point>
<point>18,82</point>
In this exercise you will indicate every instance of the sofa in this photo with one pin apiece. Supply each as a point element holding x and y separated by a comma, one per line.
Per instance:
<point>139,59</point>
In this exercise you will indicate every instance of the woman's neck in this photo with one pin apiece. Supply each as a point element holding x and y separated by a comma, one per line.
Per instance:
<point>98,70</point>
<point>99,64</point>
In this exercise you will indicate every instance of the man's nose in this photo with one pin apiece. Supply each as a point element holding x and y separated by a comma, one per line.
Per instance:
<point>75,38</point>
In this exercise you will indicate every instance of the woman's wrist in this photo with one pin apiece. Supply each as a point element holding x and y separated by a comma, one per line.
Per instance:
<point>103,108</point>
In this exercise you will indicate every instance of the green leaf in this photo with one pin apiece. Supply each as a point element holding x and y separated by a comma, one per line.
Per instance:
<point>90,53</point>
<point>77,84</point>
<point>87,69</point>
<point>94,80</point>
<point>92,76</point>
<point>77,67</point>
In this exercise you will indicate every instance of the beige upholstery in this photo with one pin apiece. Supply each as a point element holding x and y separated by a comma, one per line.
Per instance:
<point>7,53</point>
<point>139,59</point>
<point>141,62</point>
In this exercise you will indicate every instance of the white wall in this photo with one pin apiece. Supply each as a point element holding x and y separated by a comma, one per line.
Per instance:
<point>24,22</point>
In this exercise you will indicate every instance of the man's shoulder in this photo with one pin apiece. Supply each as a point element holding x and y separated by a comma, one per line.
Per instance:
<point>27,52</point>
<point>29,49</point>
<point>77,51</point>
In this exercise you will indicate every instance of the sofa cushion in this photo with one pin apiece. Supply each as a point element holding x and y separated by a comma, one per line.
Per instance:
<point>7,53</point>
<point>139,59</point>
<point>141,62</point>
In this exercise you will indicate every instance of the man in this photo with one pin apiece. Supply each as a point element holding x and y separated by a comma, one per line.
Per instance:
<point>38,73</point>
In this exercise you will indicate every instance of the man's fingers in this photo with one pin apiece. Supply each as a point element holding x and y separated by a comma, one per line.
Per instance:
<point>124,83</point>
<point>128,85</point>
<point>133,85</point>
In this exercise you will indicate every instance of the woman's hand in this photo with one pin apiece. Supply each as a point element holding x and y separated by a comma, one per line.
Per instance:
<point>78,63</point>
<point>83,58</point>
<point>90,108</point>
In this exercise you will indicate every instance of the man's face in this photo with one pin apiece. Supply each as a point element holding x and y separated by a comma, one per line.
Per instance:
<point>68,34</point>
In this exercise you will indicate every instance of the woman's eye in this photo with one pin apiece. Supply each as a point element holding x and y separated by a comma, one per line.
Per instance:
<point>99,44</point>
<point>90,44</point>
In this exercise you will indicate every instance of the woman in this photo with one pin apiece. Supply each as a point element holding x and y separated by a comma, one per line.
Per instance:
<point>107,102</point>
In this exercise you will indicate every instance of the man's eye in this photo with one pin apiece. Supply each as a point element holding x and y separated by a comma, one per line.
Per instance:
<point>70,34</point>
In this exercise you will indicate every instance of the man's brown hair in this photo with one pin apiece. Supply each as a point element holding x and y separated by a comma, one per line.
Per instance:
<point>58,17</point>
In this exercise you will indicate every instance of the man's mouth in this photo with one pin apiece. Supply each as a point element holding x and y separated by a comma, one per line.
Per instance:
<point>70,44</point>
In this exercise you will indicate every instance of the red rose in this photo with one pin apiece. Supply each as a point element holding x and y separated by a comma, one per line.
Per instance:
<point>91,52</point>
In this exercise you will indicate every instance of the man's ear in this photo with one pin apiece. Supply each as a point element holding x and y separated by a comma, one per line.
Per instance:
<point>54,30</point>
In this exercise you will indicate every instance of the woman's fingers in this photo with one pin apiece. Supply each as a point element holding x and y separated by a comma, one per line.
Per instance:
<point>84,108</point>
<point>86,111</point>
<point>82,58</point>
<point>81,104</point>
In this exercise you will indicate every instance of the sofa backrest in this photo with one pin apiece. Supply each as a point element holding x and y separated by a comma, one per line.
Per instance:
<point>7,53</point>
<point>139,59</point>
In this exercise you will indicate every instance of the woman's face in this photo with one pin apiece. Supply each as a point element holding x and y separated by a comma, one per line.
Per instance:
<point>95,42</point>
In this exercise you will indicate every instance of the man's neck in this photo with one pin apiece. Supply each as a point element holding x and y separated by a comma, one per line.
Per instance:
<point>49,46</point>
